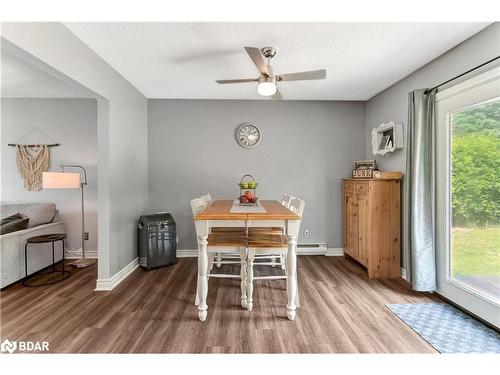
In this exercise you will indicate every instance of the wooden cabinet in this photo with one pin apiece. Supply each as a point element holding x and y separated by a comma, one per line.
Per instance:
<point>372,225</point>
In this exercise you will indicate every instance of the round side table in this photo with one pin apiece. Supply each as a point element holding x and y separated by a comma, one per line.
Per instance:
<point>46,238</point>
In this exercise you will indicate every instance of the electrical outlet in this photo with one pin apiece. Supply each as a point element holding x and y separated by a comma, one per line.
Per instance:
<point>307,232</point>
<point>86,236</point>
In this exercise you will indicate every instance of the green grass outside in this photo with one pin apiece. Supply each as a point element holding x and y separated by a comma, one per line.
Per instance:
<point>476,251</point>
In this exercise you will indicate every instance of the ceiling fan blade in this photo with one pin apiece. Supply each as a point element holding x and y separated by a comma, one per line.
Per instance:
<point>258,59</point>
<point>300,76</point>
<point>277,95</point>
<point>223,81</point>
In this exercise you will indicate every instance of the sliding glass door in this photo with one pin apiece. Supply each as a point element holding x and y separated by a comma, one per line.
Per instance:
<point>468,194</point>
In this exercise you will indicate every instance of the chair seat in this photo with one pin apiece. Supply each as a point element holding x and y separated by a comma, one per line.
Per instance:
<point>266,240</point>
<point>227,239</point>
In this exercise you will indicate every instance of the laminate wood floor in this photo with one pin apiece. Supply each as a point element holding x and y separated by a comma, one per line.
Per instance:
<point>152,312</point>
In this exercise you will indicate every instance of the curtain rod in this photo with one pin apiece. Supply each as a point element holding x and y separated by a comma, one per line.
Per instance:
<point>461,75</point>
<point>38,145</point>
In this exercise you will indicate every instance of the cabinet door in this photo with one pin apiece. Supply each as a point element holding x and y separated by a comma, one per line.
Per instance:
<point>354,230</point>
<point>349,238</point>
<point>362,216</point>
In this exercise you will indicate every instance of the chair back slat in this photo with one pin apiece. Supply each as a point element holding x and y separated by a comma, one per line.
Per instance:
<point>197,205</point>
<point>297,206</point>
<point>287,198</point>
<point>207,198</point>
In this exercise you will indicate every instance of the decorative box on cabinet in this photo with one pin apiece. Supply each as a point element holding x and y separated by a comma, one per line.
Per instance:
<point>372,225</point>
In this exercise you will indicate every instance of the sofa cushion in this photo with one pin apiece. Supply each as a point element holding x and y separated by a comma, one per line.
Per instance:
<point>14,225</point>
<point>10,218</point>
<point>38,213</point>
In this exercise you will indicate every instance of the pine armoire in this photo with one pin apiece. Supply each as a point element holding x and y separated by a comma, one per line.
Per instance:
<point>372,225</point>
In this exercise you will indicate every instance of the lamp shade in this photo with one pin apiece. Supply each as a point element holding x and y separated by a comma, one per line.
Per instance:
<point>60,180</point>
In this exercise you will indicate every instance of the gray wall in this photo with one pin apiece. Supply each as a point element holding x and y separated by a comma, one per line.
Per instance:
<point>392,103</point>
<point>71,122</point>
<point>121,133</point>
<point>306,148</point>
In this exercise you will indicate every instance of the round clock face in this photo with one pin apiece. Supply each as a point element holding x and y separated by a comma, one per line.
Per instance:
<point>248,135</point>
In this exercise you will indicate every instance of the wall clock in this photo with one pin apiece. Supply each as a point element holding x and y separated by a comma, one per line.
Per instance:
<point>248,135</point>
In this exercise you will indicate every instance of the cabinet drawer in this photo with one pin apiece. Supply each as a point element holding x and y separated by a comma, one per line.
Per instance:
<point>348,187</point>
<point>361,188</point>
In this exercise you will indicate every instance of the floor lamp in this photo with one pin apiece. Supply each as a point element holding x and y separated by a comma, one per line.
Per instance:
<point>63,180</point>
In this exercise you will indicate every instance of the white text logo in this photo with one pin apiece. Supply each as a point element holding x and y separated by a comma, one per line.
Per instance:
<point>24,346</point>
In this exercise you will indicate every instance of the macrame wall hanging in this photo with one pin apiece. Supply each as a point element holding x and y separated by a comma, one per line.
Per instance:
<point>31,163</point>
<point>32,160</point>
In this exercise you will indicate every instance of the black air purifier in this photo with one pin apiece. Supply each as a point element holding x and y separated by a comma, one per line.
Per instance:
<point>157,240</point>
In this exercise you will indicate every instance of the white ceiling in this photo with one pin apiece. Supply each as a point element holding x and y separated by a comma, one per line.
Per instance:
<point>22,79</point>
<point>183,60</point>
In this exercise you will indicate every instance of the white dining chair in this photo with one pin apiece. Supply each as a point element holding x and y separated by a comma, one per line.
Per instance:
<point>286,199</point>
<point>207,198</point>
<point>198,205</point>
<point>265,246</point>
<point>232,247</point>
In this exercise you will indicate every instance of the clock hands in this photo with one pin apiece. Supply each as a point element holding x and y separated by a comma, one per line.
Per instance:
<point>248,135</point>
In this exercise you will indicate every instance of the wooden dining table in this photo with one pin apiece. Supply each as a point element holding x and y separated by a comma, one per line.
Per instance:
<point>218,214</point>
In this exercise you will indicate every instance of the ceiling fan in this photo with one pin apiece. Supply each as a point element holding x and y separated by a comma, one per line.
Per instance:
<point>267,79</point>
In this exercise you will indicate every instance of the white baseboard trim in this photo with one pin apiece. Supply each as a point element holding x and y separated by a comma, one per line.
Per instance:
<point>310,251</point>
<point>403,274</point>
<point>77,254</point>
<point>187,253</point>
<point>117,278</point>
<point>335,252</point>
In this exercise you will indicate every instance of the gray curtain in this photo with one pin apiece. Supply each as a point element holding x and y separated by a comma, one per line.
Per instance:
<point>419,231</point>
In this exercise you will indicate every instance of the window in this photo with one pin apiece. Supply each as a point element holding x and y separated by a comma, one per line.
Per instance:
<point>475,197</point>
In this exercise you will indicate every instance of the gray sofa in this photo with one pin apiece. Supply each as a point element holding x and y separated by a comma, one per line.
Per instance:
<point>43,220</point>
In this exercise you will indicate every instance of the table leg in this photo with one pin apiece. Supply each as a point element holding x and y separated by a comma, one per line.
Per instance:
<point>243,276</point>
<point>291,280</point>
<point>202,278</point>
<point>250,260</point>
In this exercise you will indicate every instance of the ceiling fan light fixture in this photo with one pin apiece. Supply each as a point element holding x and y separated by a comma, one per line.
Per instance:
<point>266,86</point>
<point>267,80</point>
<point>266,89</point>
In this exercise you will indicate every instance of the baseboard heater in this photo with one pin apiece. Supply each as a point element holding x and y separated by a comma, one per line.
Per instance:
<point>311,248</point>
